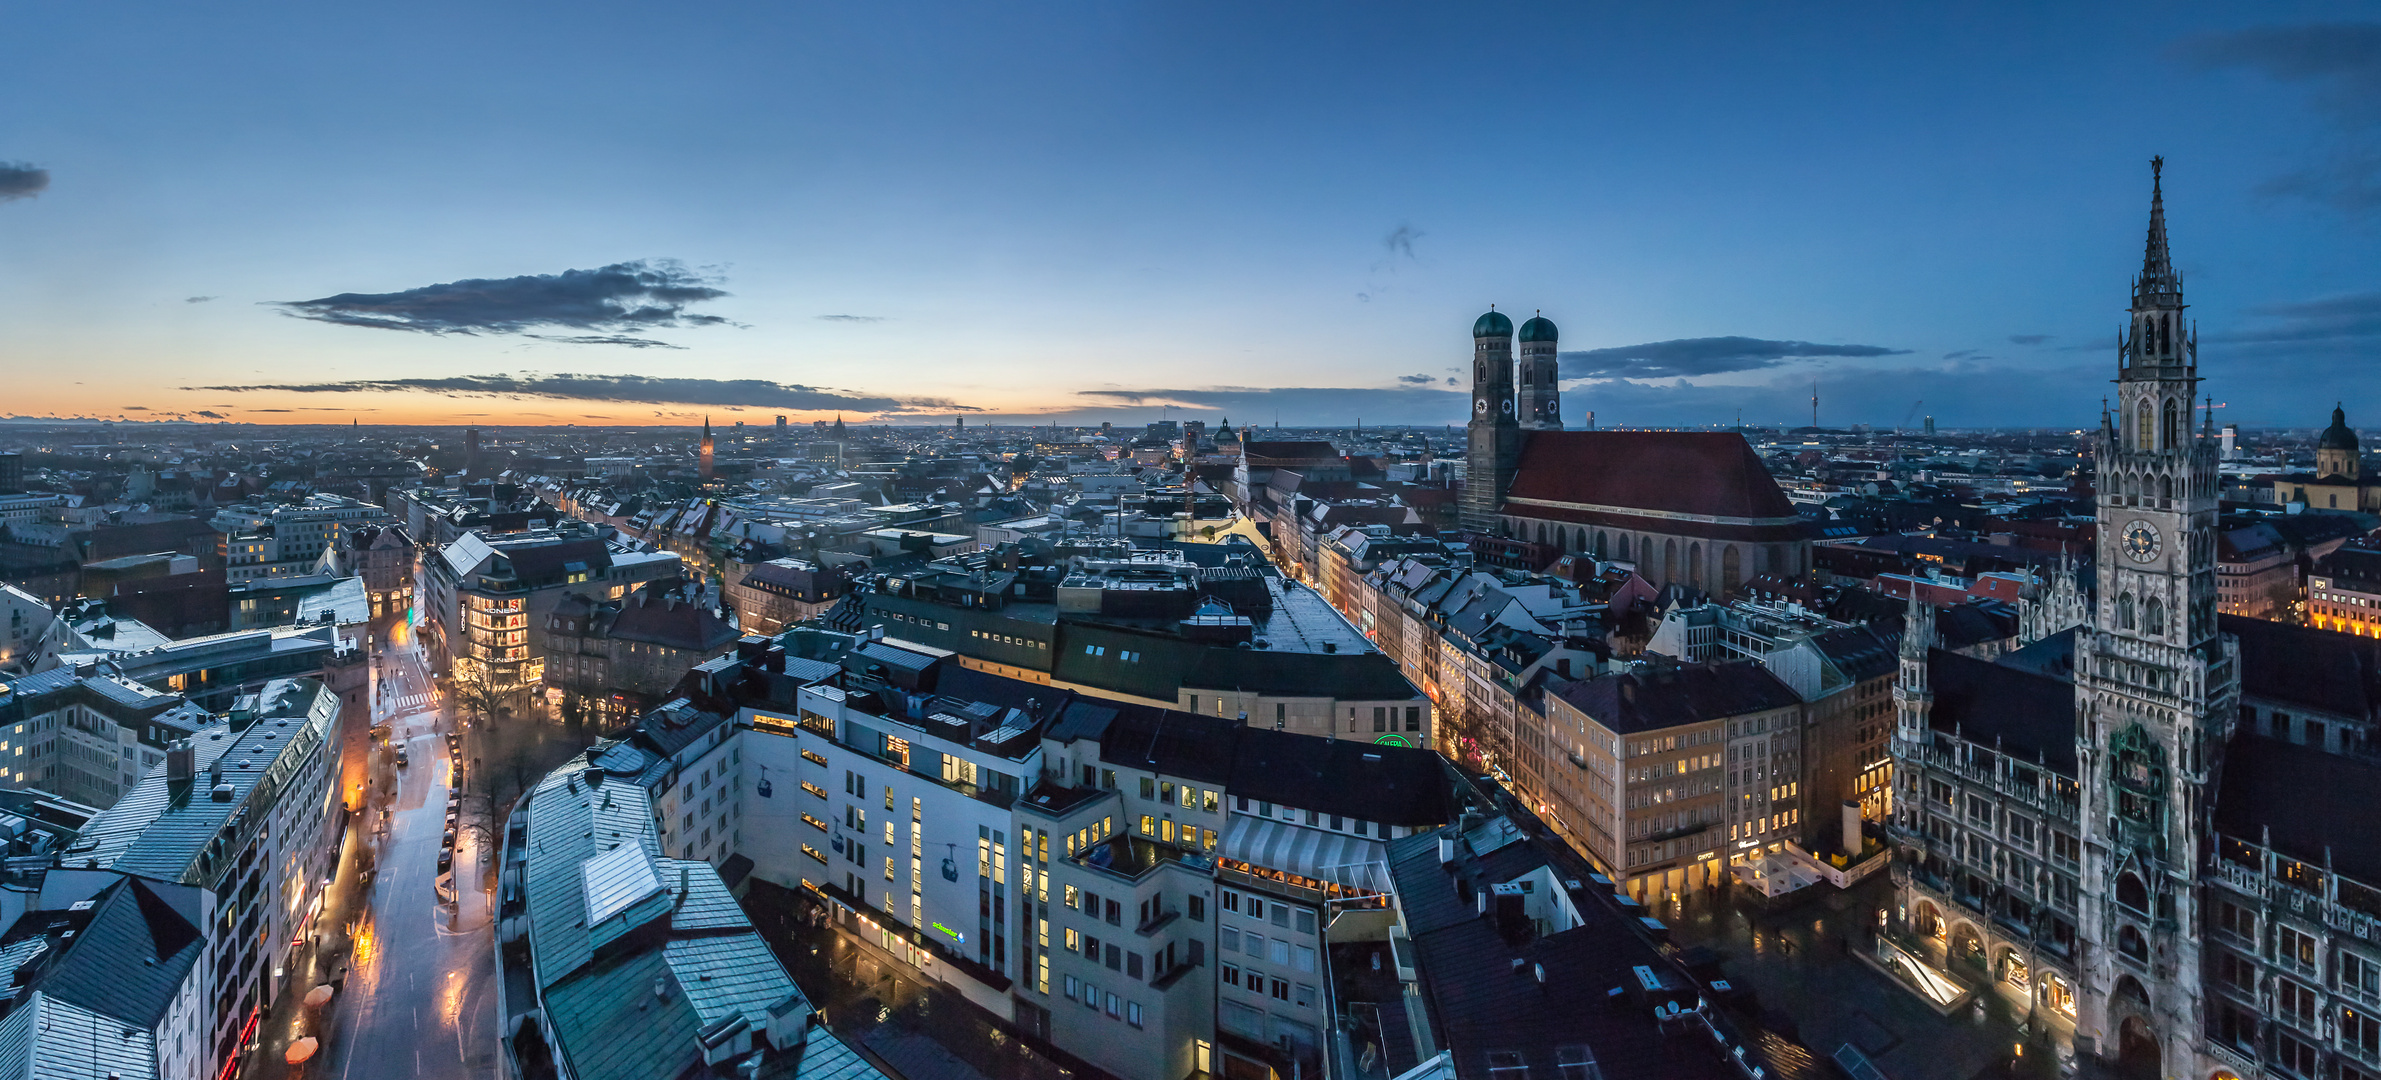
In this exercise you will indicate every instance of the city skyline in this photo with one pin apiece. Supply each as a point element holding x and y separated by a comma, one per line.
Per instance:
<point>914,214</point>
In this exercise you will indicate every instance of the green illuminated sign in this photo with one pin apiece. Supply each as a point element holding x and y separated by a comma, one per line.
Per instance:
<point>1391,740</point>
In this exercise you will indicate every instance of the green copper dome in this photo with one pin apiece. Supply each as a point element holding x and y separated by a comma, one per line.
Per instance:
<point>2337,436</point>
<point>1539,328</point>
<point>1493,324</point>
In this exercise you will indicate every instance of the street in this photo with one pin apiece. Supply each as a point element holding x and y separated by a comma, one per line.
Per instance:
<point>417,998</point>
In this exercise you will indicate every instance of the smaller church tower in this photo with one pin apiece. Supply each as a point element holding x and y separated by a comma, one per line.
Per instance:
<point>1537,400</point>
<point>706,449</point>
<point>1913,696</point>
<point>2336,452</point>
<point>1493,450</point>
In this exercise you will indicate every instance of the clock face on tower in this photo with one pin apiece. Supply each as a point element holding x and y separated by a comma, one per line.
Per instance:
<point>2140,541</point>
<point>1480,405</point>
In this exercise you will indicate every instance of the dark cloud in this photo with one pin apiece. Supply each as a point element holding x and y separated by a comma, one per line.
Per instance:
<point>1400,242</point>
<point>2325,331</point>
<point>134,408</point>
<point>19,180</point>
<point>607,339</point>
<point>1416,380</point>
<point>756,393</point>
<point>851,318</point>
<point>1689,357</point>
<point>196,299</point>
<point>2028,339</point>
<point>209,414</point>
<point>2341,63</point>
<point>614,303</point>
<point>1965,354</point>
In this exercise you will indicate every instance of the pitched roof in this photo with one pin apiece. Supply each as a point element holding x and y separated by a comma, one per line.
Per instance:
<point>2319,670</point>
<point>1698,473</point>
<point>1691,694</point>
<point>2026,713</point>
<point>129,961</point>
<point>2318,806</point>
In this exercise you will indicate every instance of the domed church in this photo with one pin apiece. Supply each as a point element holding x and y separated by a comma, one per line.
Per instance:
<point>1697,508</point>
<point>2338,482</point>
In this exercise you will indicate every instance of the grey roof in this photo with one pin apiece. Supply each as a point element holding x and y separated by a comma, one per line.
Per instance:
<point>2019,709</point>
<point>628,1006</point>
<point>51,1039</point>
<point>129,960</point>
<point>162,828</point>
<point>2308,804</point>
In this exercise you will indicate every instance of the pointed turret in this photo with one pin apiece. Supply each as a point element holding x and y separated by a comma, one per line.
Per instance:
<point>2159,284</point>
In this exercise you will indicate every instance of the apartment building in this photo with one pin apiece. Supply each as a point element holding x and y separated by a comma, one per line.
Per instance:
<point>88,735</point>
<point>1676,772</point>
<point>245,809</point>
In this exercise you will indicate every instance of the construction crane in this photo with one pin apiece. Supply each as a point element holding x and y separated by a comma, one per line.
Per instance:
<point>1908,416</point>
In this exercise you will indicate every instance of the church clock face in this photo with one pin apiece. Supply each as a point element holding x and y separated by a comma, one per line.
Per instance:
<point>2140,541</point>
<point>1480,405</point>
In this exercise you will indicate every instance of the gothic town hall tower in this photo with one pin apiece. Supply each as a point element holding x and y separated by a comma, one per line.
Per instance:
<point>2155,684</point>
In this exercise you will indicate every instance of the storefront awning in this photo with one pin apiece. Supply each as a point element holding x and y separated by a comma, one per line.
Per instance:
<point>1309,853</point>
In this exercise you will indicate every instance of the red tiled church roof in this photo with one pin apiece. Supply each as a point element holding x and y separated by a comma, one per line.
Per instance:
<point>1698,473</point>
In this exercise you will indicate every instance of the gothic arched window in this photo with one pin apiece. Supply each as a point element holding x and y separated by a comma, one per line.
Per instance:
<point>2174,435</point>
<point>1731,569</point>
<point>2124,611</point>
<point>2153,616</point>
<point>2144,437</point>
<point>1600,543</point>
<point>2166,336</point>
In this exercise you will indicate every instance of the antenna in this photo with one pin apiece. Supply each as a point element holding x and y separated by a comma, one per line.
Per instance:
<point>1814,401</point>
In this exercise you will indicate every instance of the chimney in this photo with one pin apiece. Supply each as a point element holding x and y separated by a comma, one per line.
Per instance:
<point>180,762</point>
<point>1851,837</point>
<point>1446,849</point>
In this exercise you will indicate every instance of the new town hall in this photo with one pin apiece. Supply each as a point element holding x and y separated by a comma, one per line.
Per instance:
<point>2156,823</point>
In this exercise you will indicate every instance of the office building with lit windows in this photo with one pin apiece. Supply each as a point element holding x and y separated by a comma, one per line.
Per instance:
<point>1145,889</point>
<point>485,601</point>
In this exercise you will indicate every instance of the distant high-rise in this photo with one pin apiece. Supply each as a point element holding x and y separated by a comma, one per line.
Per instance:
<point>706,449</point>
<point>781,425</point>
<point>471,450</point>
<point>959,422</point>
<point>12,474</point>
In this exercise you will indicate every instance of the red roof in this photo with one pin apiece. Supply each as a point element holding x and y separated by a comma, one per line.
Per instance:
<point>1699,473</point>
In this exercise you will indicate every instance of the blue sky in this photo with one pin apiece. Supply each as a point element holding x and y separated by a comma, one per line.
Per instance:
<point>1096,211</point>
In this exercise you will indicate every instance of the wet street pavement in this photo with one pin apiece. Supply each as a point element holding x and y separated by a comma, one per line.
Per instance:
<point>1797,961</point>
<point>417,996</point>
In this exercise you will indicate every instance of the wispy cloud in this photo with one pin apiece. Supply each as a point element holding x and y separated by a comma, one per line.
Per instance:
<point>612,304</point>
<point>196,299</point>
<point>754,393</point>
<point>1416,380</point>
<point>209,414</point>
<point>850,318</point>
<point>1692,357</point>
<point>2342,63</point>
<point>19,180</point>
<point>2028,340</point>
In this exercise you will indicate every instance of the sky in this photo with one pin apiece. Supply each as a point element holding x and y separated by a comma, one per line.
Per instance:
<point>602,213</point>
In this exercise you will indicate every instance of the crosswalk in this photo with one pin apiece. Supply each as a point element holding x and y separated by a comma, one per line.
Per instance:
<point>409,703</point>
